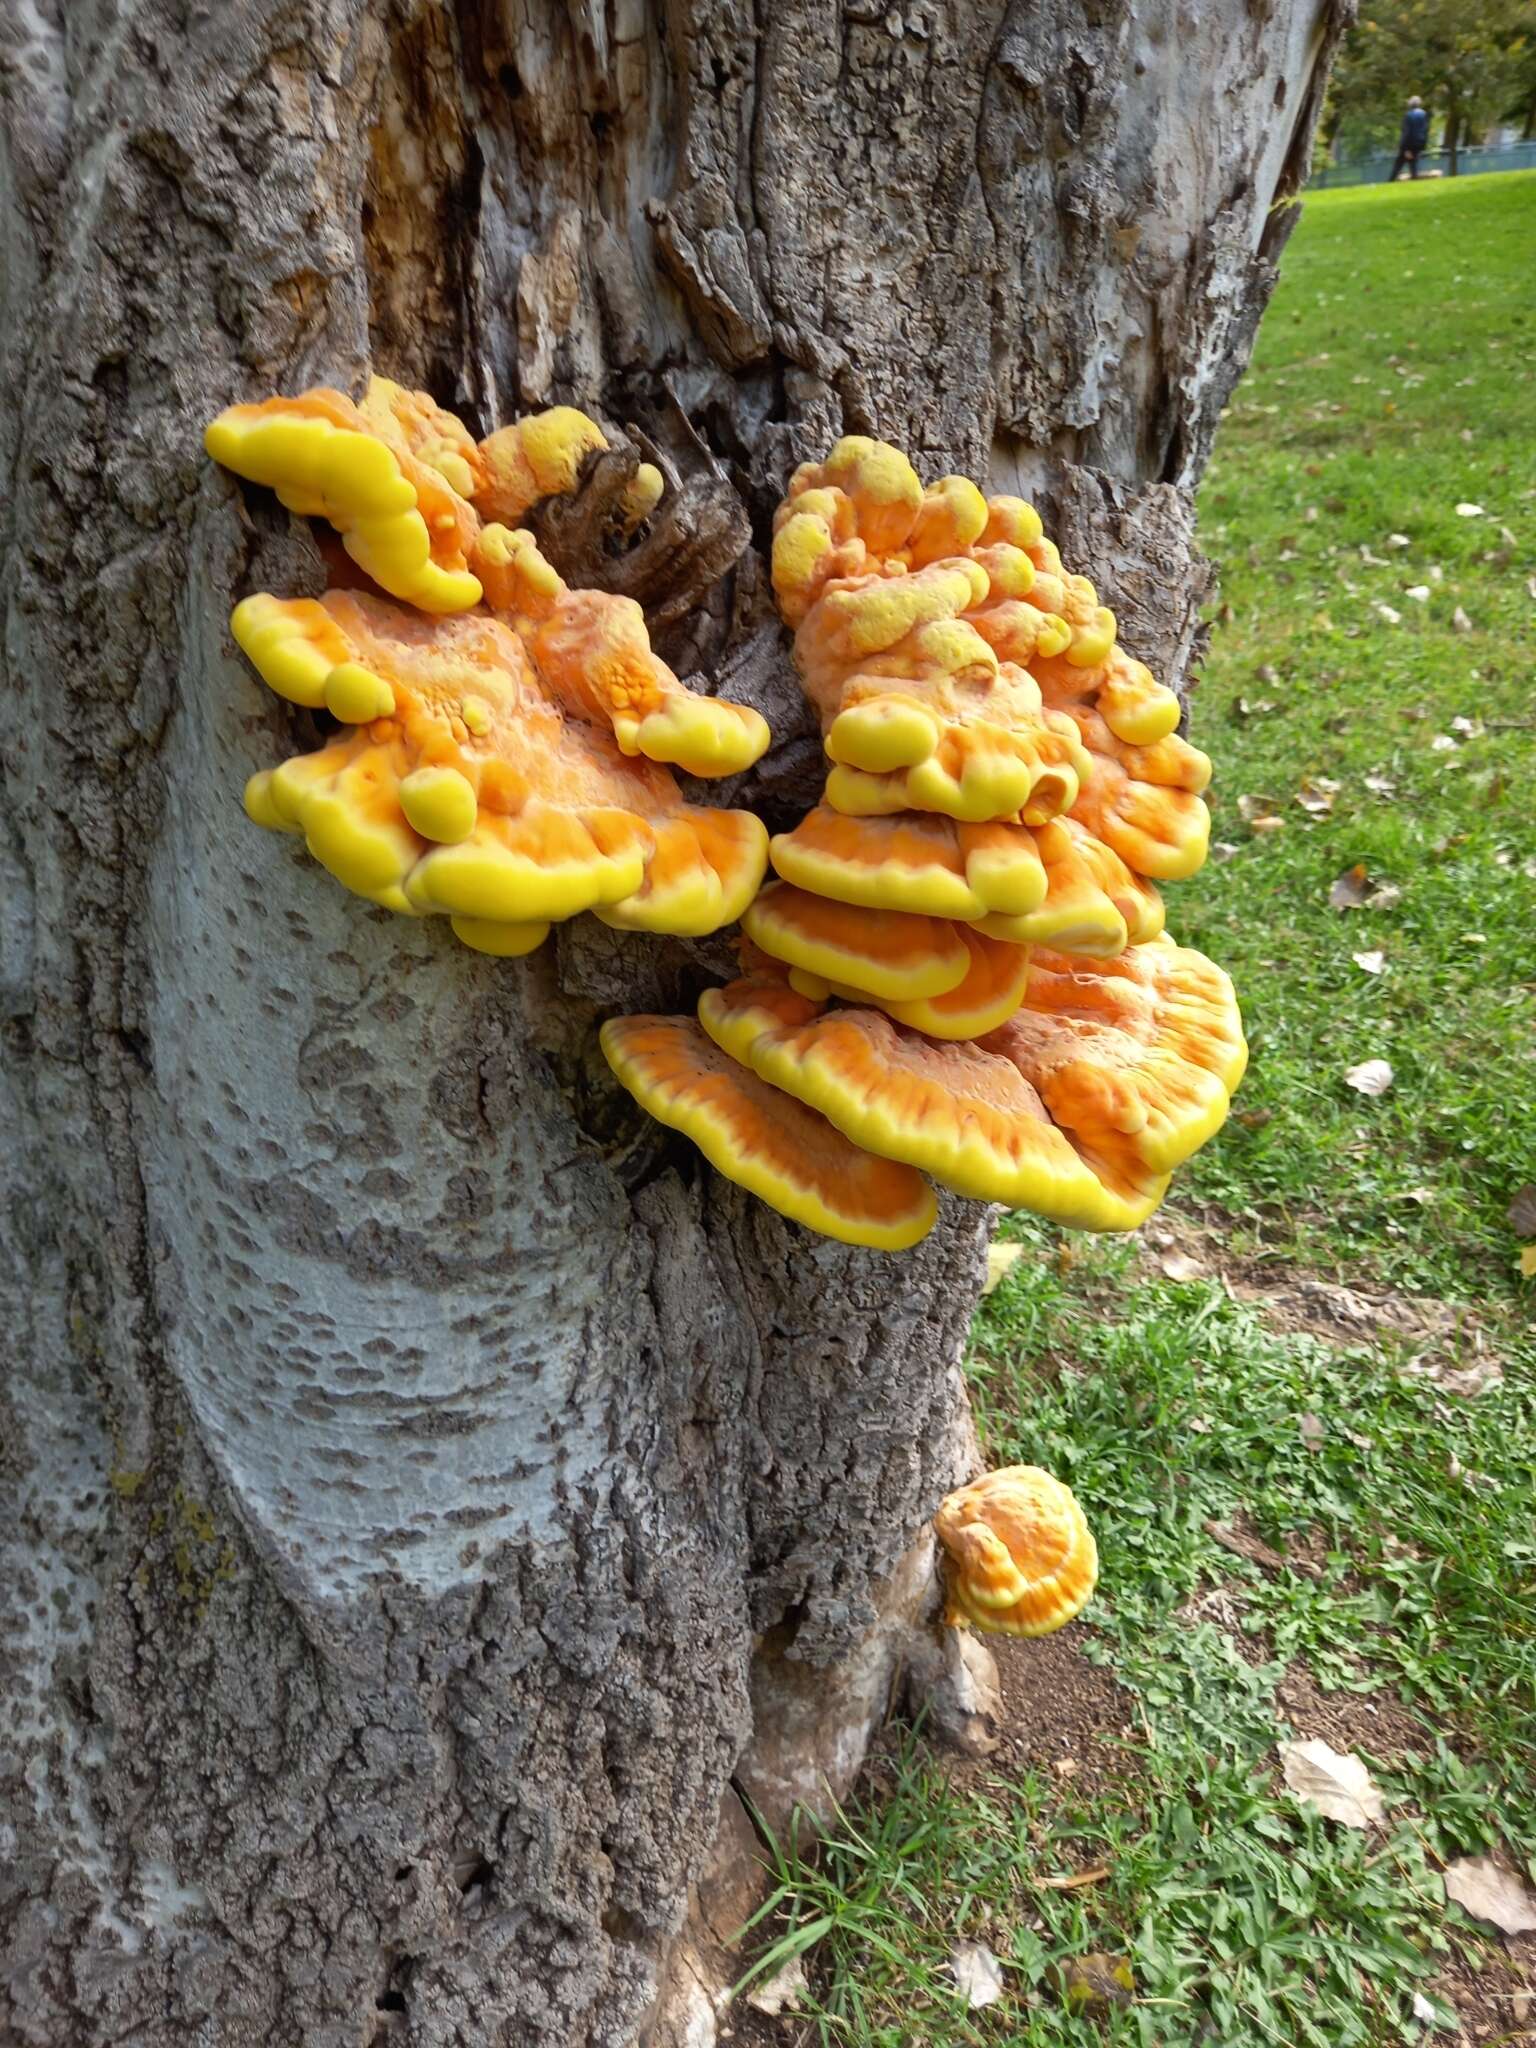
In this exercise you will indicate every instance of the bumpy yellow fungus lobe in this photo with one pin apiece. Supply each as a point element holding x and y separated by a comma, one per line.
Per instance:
<point>784,1154</point>
<point>889,953</point>
<point>1094,905</point>
<point>1019,1557</point>
<point>1136,1057</point>
<point>595,651</point>
<point>399,516</point>
<point>474,786</point>
<point>929,864</point>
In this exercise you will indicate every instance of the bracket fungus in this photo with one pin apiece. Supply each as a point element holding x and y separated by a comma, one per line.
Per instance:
<point>1019,1558</point>
<point>960,971</point>
<point>504,763</point>
<point>962,966</point>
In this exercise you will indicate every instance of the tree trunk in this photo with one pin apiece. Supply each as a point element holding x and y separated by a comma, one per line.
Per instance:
<point>432,1489</point>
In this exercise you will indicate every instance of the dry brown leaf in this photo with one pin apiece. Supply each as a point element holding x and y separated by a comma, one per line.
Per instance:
<point>977,1973</point>
<point>1521,1213</point>
<point>1338,1786</point>
<point>1070,1884</point>
<point>1371,1077</point>
<point>1256,1550</point>
<point>1313,1431</point>
<point>1316,795</point>
<point>1351,890</point>
<point>1370,963</point>
<point>1180,1266</point>
<point>1488,1891</point>
<point>782,1992</point>
<point>1460,623</point>
<point>1001,1259</point>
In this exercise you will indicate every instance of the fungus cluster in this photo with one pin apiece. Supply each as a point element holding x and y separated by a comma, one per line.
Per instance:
<point>959,972</point>
<point>961,966</point>
<point>506,742</point>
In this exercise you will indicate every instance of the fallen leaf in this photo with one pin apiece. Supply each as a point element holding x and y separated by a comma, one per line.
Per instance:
<point>1223,849</point>
<point>1256,1550</point>
<point>1339,1787</point>
<point>1521,1213</point>
<point>1371,1077</point>
<point>1460,623</point>
<point>1387,897</point>
<point>1528,1262</point>
<point>1466,511</point>
<point>977,1973</point>
<point>1254,710</point>
<point>1066,1766</point>
<point>1488,1891</point>
<point>1429,2014</point>
<point>1385,612</point>
<point>1470,728</point>
<point>1381,785</point>
<point>1266,824</point>
<point>1078,1877</point>
<point>1251,807</point>
<point>782,1992</point>
<point>1316,795</point>
<point>1530,586</point>
<point>1001,1259</point>
<point>1442,743</point>
<point>1093,1983</point>
<point>1312,1431</point>
<point>1398,540</point>
<point>1199,1425</point>
<point>1369,963</point>
<point>1419,592</point>
<point>1351,890</point>
<point>1179,1266</point>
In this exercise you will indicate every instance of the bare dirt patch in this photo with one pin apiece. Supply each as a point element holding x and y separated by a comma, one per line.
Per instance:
<point>1448,1343</point>
<point>1375,1723</point>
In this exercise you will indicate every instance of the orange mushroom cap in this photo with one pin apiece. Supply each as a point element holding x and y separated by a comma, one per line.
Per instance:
<point>992,989</point>
<point>1136,1057</point>
<point>779,1151</point>
<point>1019,1557</point>
<point>467,787</point>
<point>936,866</point>
<point>890,953</point>
<point>965,1115</point>
<point>1094,905</point>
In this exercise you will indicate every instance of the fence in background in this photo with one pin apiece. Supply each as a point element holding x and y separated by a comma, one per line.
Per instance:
<point>1376,168</point>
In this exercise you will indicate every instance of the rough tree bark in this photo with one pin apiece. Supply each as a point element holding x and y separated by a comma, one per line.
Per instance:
<point>430,1489</point>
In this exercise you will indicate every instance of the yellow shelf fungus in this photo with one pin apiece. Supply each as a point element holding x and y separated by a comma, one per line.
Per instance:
<point>470,786</point>
<point>1019,1557</point>
<point>961,969</point>
<point>964,1115</point>
<point>787,1156</point>
<point>595,652</point>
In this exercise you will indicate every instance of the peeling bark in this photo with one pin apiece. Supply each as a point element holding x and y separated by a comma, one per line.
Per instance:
<point>429,1488</point>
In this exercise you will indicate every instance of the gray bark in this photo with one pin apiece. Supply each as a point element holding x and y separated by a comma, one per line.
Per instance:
<point>427,1486</point>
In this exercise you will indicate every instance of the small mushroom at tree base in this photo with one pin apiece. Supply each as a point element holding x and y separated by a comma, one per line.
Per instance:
<point>1019,1557</point>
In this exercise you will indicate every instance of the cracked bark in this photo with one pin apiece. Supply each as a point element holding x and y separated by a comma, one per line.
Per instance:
<point>427,1486</point>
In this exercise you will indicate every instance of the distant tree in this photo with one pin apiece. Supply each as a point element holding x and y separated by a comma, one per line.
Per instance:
<point>1463,61</point>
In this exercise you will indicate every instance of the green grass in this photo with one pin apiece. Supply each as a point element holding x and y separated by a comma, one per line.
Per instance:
<point>1392,381</point>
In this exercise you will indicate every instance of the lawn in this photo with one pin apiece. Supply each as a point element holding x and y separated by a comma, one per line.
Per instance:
<point>1321,1348</point>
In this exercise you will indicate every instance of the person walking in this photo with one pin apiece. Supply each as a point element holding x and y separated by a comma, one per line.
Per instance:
<point>1411,143</point>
